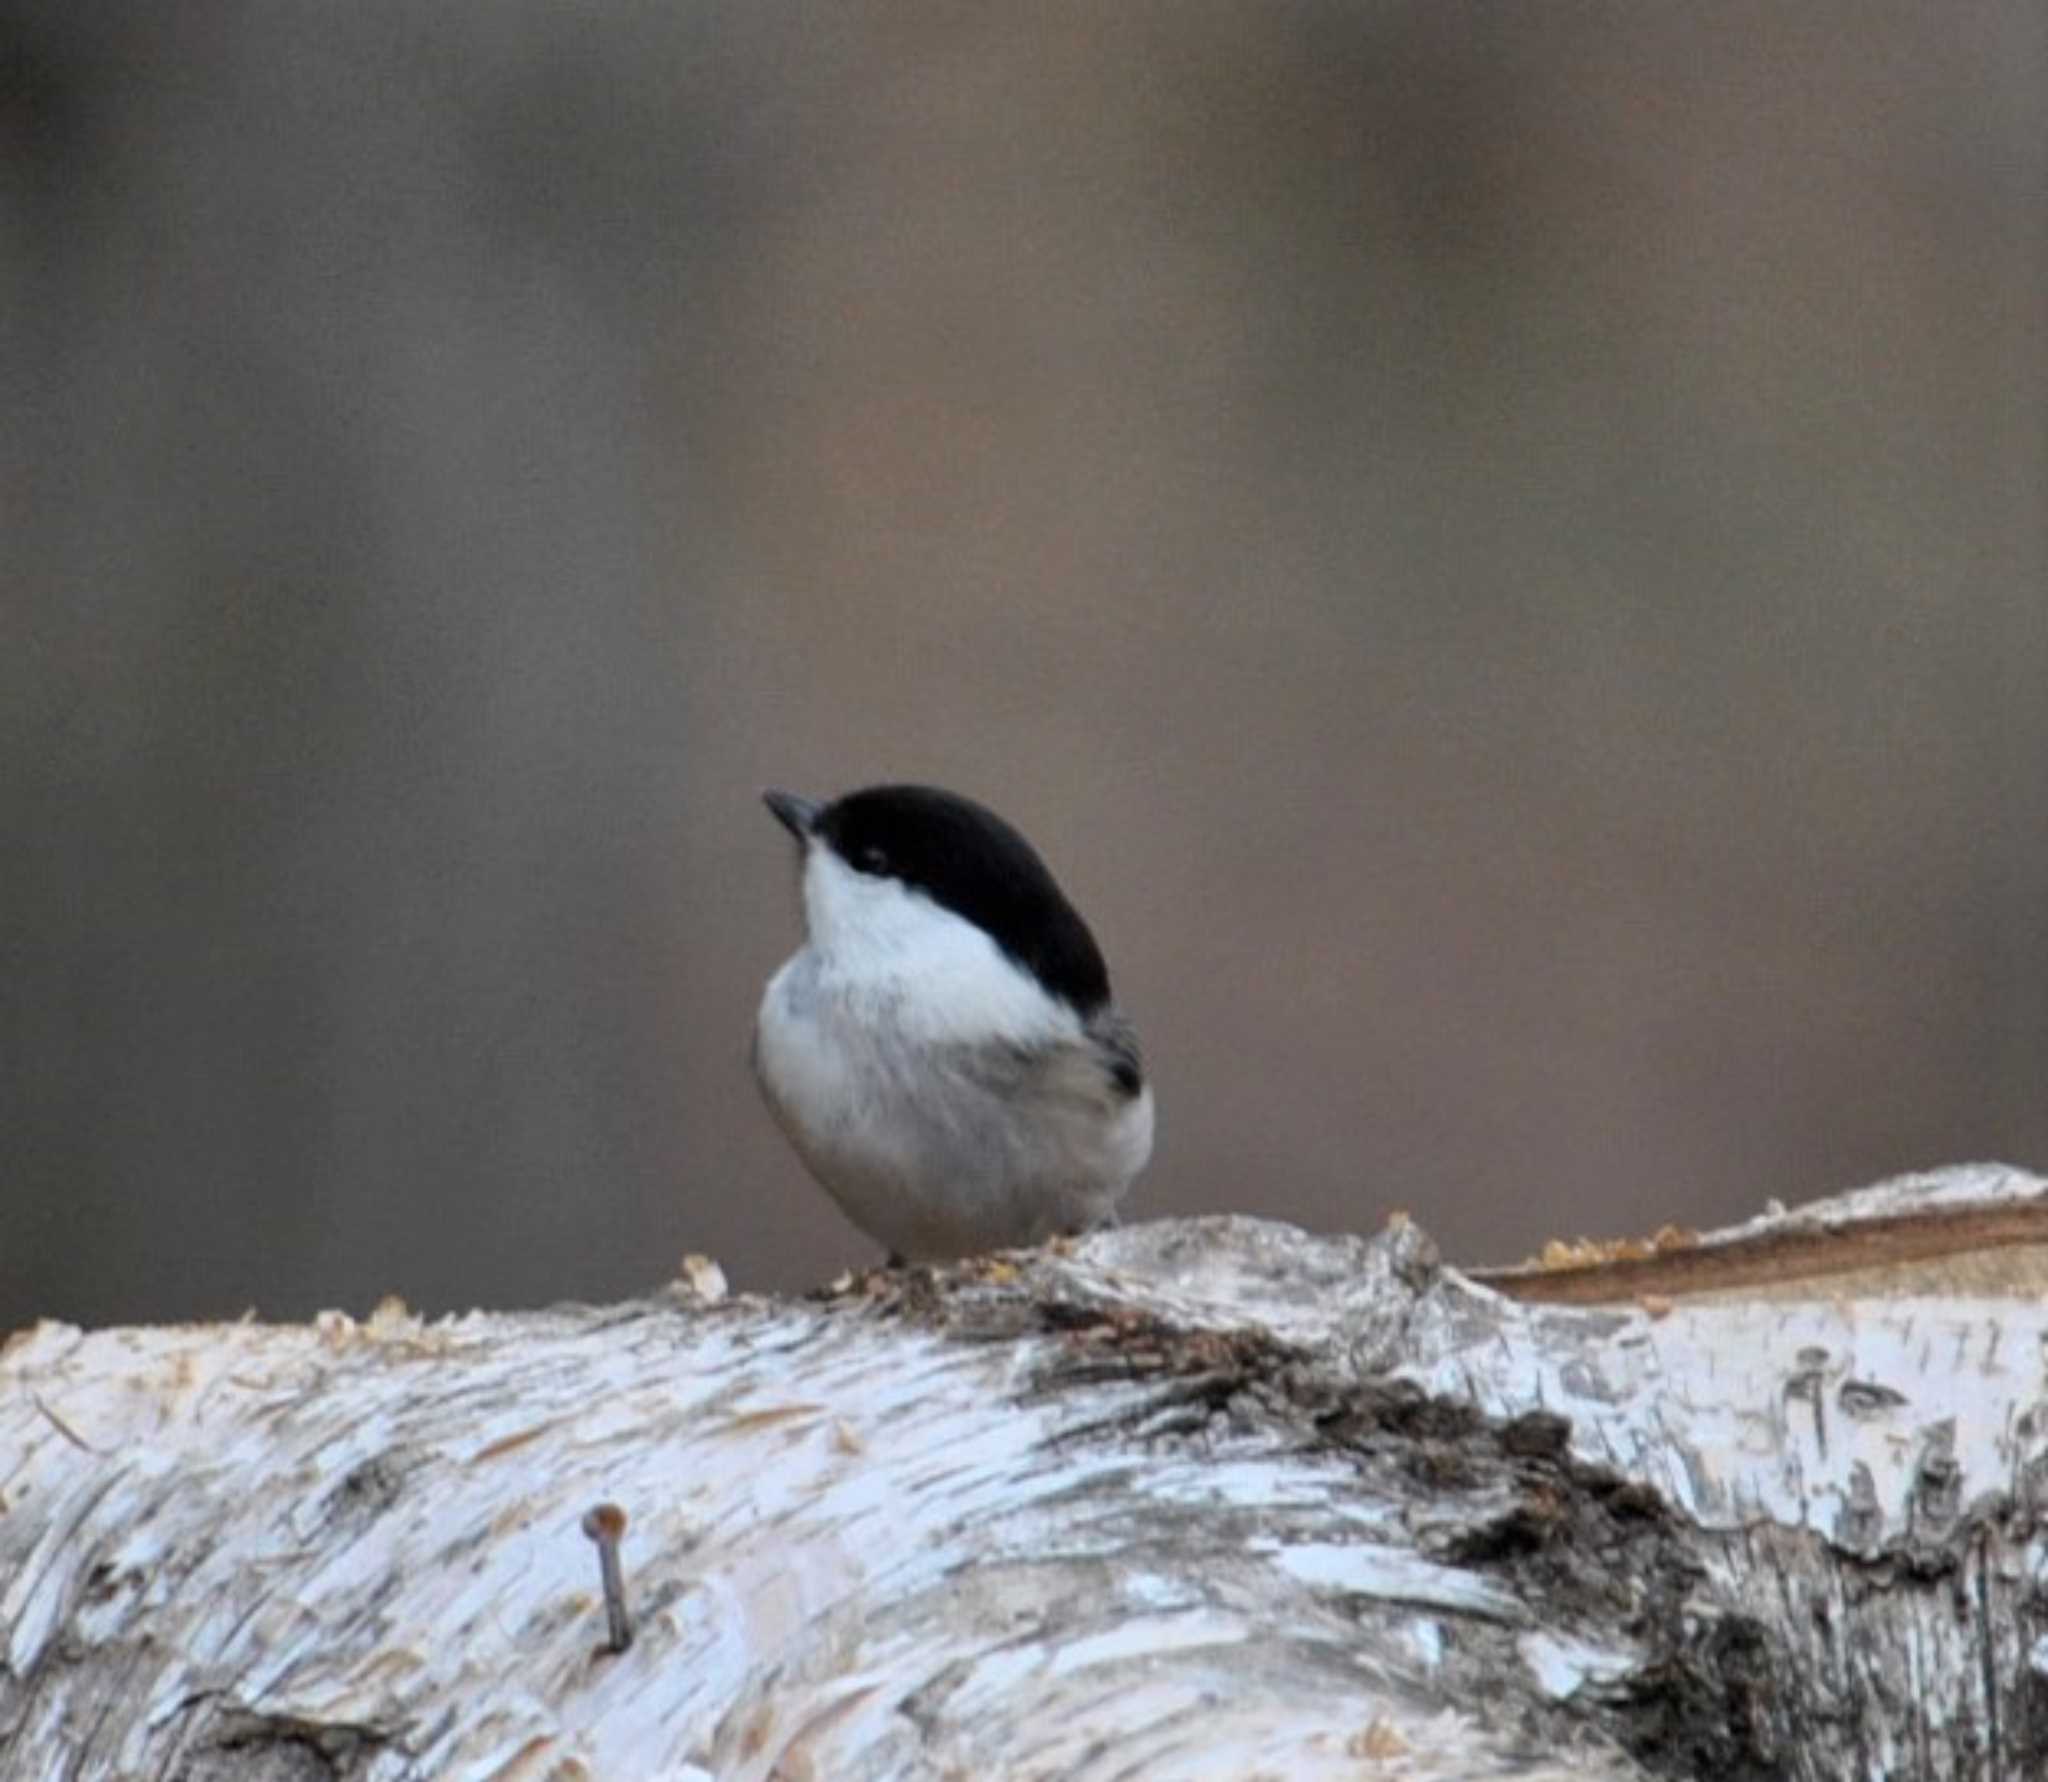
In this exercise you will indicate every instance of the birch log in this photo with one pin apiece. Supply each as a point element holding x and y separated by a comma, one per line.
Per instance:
<point>1211,1498</point>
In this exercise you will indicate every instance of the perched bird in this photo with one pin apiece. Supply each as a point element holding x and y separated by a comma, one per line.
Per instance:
<point>942,1050</point>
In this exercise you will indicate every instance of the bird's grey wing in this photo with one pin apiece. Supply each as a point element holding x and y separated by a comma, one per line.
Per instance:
<point>1116,1042</point>
<point>1103,1066</point>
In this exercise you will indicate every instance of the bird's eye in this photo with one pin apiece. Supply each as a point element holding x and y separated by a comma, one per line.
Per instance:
<point>872,859</point>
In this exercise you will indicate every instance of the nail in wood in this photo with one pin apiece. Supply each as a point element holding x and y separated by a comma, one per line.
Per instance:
<point>606,1525</point>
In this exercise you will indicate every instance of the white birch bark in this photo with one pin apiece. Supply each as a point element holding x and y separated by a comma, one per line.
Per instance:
<point>1209,1498</point>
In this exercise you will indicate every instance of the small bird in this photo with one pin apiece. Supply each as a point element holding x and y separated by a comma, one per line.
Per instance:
<point>942,1050</point>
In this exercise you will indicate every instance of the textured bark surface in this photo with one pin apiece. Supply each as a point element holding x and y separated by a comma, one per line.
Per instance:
<point>1208,1498</point>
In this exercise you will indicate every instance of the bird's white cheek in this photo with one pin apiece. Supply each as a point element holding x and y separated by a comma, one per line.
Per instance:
<point>851,913</point>
<point>893,958</point>
<point>972,994</point>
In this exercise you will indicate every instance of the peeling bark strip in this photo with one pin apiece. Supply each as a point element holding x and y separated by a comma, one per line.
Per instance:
<point>1854,1236</point>
<point>1209,1498</point>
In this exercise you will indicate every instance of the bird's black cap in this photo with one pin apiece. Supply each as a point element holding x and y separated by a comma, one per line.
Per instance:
<point>967,859</point>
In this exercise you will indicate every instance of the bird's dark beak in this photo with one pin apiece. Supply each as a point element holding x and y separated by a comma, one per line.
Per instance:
<point>795,814</point>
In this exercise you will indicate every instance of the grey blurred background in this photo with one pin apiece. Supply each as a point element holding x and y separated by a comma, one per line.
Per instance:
<point>1501,551</point>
